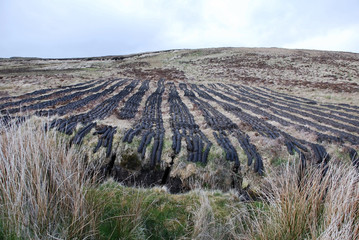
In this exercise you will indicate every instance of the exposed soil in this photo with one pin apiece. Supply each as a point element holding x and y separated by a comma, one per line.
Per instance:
<point>147,178</point>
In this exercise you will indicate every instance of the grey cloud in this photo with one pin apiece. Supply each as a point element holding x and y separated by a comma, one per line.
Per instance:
<point>91,28</point>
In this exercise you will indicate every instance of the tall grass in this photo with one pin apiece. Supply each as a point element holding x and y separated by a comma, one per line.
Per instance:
<point>204,221</point>
<point>43,186</point>
<point>319,207</point>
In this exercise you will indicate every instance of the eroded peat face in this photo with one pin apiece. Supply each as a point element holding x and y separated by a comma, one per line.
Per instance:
<point>184,135</point>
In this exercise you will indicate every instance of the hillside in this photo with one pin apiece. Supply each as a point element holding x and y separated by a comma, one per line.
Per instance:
<point>248,109</point>
<point>230,141</point>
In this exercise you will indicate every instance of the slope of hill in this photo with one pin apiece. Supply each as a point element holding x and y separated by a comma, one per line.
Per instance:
<point>221,119</point>
<point>217,113</point>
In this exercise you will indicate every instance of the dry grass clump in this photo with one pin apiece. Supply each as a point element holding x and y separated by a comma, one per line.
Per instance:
<point>43,186</point>
<point>319,207</point>
<point>204,221</point>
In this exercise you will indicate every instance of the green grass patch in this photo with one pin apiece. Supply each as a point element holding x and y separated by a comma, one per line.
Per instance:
<point>137,213</point>
<point>130,213</point>
<point>216,153</point>
<point>6,232</point>
<point>278,161</point>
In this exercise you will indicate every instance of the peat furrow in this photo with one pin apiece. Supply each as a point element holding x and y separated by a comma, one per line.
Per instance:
<point>81,102</point>
<point>321,108</point>
<point>344,107</point>
<point>291,97</point>
<point>101,111</point>
<point>150,126</point>
<point>51,95</point>
<point>105,138</point>
<point>255,109</point>
<point>291,108</point>
<point>53,102</point>
<point>344,117</point>
<point>42,91</point>
<point>8,121</point>
<point>262,127</point>
<point>184,126</point>
<point>222,126</point>
<point>341,107</point>
<point>340,135</point>
<point>130,108</point>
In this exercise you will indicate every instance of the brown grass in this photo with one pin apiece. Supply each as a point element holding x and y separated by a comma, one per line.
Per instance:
<point>42,186</point>
<point>320,207</point>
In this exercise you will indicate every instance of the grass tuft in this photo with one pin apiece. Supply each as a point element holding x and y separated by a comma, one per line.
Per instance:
<point>43,186</point>
<point>319,207</point>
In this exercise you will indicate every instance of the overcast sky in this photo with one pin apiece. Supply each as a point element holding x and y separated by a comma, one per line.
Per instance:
<point>79,28</point>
